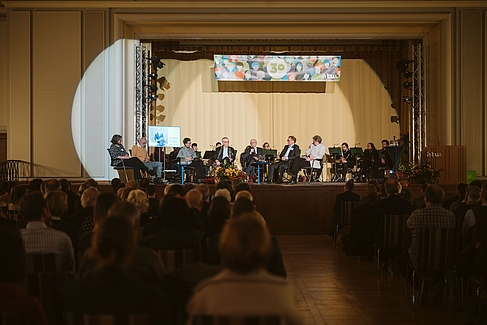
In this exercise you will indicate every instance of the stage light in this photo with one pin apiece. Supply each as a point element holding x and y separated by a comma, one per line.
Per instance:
<point>407,74</point>
<point>152,97</point>
<point>157,63</point>
<point>407,85</point>
<point>153,88</point>
<point>153,76</point>
<point>406,99</point>
<point>402,65</point>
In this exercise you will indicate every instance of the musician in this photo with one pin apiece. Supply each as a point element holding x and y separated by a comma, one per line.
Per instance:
<point>385,157</point>
<point>370,162</point>
<point>287,155</point>
<point>225,155</point>
<point>346,160</point>
<point>250,156</point>
<point>187,156</point>
<point>315,151</point>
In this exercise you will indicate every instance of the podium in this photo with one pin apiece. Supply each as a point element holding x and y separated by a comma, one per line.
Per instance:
<point>451,159</point>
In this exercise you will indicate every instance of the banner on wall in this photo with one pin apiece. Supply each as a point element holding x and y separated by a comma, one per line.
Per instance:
<point>277,68</point>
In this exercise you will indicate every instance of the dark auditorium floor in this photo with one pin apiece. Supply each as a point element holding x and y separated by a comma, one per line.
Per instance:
<point>335,289</point>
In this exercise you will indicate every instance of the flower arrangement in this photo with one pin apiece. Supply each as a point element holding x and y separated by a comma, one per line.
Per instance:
<point>229,173</point>
<point>420,173</point>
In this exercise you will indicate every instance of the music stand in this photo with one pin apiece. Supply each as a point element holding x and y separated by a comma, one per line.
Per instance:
<point>270,155</point>
<point>209,154</point>
<point>335,153</point>
<point>357,152</point>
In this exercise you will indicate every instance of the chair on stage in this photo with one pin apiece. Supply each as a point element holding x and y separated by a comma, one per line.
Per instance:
<point>125,173</point>
<point>313,174</point>
<point>436,253</point>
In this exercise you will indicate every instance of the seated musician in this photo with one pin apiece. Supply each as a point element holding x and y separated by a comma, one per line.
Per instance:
<point>370,162</point>
<point>225,155</point>
<point>345,161</point>
<point>385,157</point>
<point>287,155</point>
<point>315,151</point>
<point>250,156</point>
<point>187,156</point>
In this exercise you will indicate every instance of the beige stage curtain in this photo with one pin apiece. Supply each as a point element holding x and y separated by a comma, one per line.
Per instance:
<point>356,110</point>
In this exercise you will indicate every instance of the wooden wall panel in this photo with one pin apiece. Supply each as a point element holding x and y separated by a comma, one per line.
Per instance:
<point>19,73</point>
<point>57,67</point>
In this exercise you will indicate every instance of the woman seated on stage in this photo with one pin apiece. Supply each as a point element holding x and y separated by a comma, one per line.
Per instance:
<point>120,157</point>
<point>370,162</point>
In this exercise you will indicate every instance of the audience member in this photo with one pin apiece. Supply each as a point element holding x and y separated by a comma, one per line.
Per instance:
<point>146,265</point>
<point>418,203</point>
<point>244,194</point>
<point>140,200</point>
<point>51,185</point>
<point>176,189</point>
<point>205,191</point>
<point>219,214</point>
<point>242,186</point>
<point>35,185</point>
<point>194,199</point>
<point>88,199</point>
<point>371,196</point>
<point>115,183</point>
<point>244,287</point>
<point>103,203</point>
<point>472,199</point>
<point>38,238</point>
<point>225,193</point>
<point>347,195</point>
<point>225,185</point>
<point>110,290</point>
<point>13,300</point>
<point>16,194</point>
<point>474,214</point>
<point>72,197</point>
<point>153,201</point>
<point>459,197</point>
<point>57,204</point>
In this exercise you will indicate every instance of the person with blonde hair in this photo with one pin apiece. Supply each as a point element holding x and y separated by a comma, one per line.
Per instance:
<point>140,200</point>
<point>244,287</point>
<point>88,199</point>
<point>225,193</point>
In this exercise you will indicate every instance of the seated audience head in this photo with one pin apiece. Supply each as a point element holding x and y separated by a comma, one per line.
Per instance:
<point>477,183</point>
<point>33,207</point>
<point>89,196</point>
<point>433,194</point>
<point>114,243</point>
<point>220,209</point>
<point>90,183</point>
<point>65,184</point>
<point>391,186</point>
<point>175,213</point>
<point>103,203</point>
<point>115,182</point>
<point>245,244</point>
<point>16,193</point>
<point>35,185</point>
<point>125,210</point>
<point>126,192</point>
<point>57,203</point>
<point>225,193</point>
<point>349,185</point>
<point>242,206</point>
<point>52,185</point>
<point>143,183</point>
<point>472,195</point>
<point>423,188</point>
<point>244,194</point>
<point>12,255</point>
<point>151,191</point>
<point>131,184</point>
<point>205,191</point>
<point>139,199</point>
<point>188,187</point>
<point>371,190</point>
<point>242,186</point>
<point>176,189</point>
<point>225,185</point>
<point>194,199</point>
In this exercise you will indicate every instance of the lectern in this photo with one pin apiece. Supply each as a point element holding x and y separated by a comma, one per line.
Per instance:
<point>451,159</point>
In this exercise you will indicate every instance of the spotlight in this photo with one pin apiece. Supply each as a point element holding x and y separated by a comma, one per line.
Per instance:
<point>403,64</point>
<point>153,88</point>
<point>152,97</point>
<point>153,76</point>
<point>407,74</point>
<point>157,63</point>
<point>407,85</point>
<point>406,99</point>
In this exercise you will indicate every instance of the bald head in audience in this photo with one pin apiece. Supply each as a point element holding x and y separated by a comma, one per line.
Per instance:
<point>194,199</point>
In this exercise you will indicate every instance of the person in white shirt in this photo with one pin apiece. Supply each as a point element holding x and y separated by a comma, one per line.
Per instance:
<point>315,151</point>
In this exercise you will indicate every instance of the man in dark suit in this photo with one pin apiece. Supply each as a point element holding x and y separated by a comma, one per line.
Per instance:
<point>287,155</point>
<point>225,155</point>
<point>348,195</point>
<point>393,204</point>
<point>250,156</point>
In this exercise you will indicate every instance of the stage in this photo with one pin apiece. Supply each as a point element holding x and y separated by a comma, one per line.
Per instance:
<point>304,208</point>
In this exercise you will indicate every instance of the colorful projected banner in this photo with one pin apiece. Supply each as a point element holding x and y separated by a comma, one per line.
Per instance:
<point>277,68</point>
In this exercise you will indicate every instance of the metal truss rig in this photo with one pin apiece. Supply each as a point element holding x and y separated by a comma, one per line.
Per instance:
<point>418,103</point>
<point>142,102</point>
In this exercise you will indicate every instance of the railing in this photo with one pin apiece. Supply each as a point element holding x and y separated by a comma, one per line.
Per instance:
<point>13,170</point>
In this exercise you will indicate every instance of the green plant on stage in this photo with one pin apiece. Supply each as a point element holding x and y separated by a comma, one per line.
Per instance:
<point>420,173</point>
